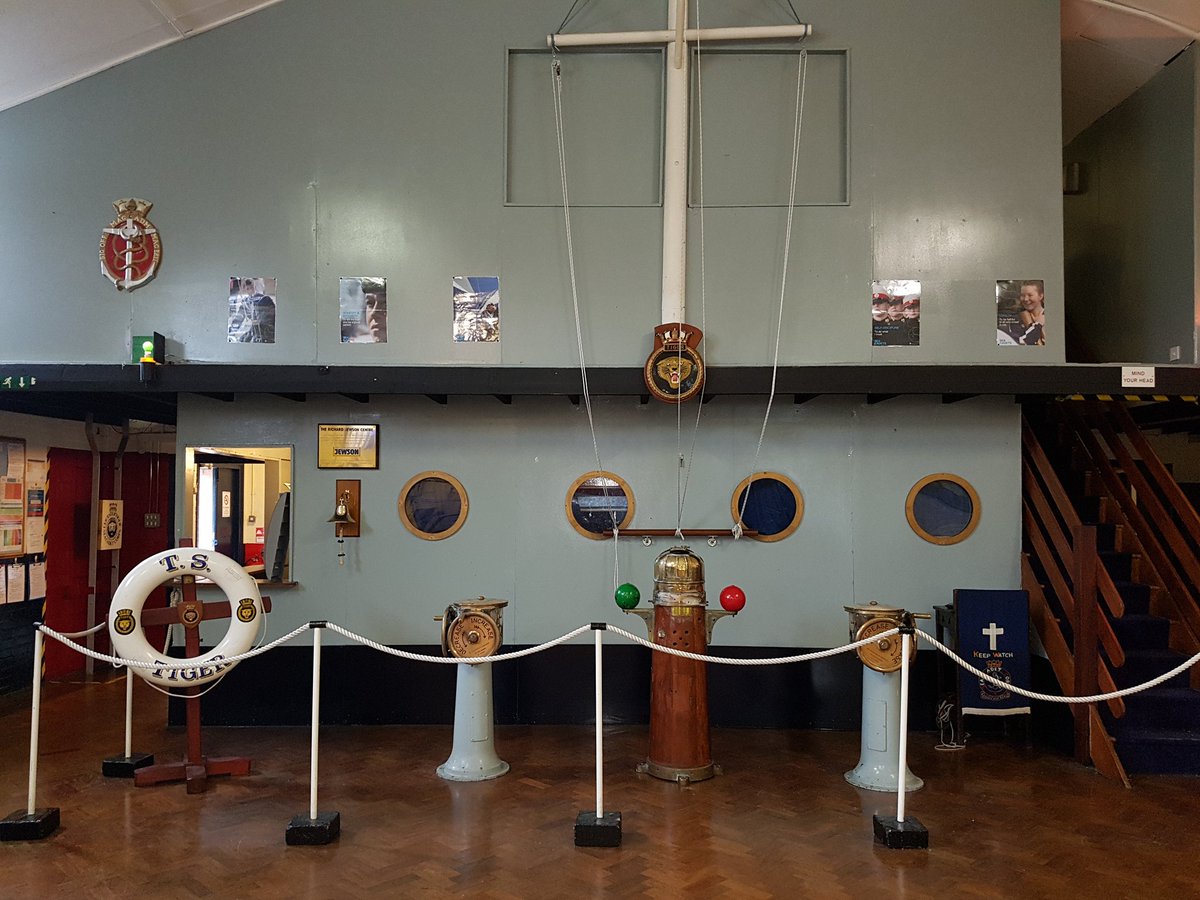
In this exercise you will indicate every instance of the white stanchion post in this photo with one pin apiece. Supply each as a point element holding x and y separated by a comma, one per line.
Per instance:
<point>35,712</point>
<point>314,828</point>
<point>316,723</point>
<point>128,712</point>
<point>31,823</point>
<point>598,828</point>
<point>126,765</point>
<point>901,833</point>
<point>905,645</point>
<point>599,724</point>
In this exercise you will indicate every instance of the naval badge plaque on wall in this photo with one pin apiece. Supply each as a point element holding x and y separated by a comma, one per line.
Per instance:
<point>674,371</point>
<point>130,248</point>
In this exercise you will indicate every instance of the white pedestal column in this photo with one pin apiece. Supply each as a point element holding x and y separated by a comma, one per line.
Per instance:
<point>878,766</point>
<point>473,756</point>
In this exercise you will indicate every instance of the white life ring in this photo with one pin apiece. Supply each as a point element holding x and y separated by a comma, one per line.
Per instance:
<point>124,616</point>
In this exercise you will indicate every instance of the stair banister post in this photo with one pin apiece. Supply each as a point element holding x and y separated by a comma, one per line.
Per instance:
<point>1083,578</point>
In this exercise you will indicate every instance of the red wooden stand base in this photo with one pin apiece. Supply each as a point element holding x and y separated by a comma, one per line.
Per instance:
<point>196,768</point>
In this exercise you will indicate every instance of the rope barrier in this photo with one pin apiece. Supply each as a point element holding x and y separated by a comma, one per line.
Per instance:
<point>1050,698</point>
<point>774,661</point>
<point>92,630</point>
<point>142,664</point>
<point>65,639</point>
<point>452,660</point>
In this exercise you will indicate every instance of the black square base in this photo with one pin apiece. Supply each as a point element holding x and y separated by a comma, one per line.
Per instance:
<point>907,835</point>
<point>324,829</point>
<point>21,826</point>
<point>604,831</point>
<point>125,766</point>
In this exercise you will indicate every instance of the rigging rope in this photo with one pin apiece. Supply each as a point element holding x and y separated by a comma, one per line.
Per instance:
<point>801,90</point>
<point>556,75</point>
<point>681,490</point>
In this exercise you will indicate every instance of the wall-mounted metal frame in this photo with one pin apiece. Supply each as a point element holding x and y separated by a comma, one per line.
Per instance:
<point>773,487</point>
<point>928,500</point>
<point>602,512</point>
<point>428,509</point>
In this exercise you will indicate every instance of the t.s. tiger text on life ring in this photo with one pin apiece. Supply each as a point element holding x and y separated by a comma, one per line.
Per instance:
<point>124,616</point>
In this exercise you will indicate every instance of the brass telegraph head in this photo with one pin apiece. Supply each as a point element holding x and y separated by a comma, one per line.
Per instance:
<point>473,629</point>
<point>875,618</point>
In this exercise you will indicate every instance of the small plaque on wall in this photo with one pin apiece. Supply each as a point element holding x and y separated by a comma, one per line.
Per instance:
<point>112,524</point>
<point>347,446</point>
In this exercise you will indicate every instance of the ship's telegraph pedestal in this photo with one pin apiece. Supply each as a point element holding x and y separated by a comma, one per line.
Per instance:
<point>679,734</point>
<point>878,763</point>
<point>473,629</point>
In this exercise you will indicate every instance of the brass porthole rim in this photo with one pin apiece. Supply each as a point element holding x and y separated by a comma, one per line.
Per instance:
<point>575,485</point>
<point>946,540</point>
<point>744,484</point>
<point>411,526</point>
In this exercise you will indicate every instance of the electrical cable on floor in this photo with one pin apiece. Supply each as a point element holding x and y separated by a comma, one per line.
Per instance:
<point>945,721</point>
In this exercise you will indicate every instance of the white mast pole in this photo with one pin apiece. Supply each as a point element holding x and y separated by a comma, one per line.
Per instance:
<point>675,168</point>
<point>675,158</point>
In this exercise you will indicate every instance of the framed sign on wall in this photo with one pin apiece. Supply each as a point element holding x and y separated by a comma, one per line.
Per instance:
<point>12,496</point>
<point>347,446</point>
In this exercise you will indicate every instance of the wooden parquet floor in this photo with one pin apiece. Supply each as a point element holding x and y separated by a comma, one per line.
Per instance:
<point>781,822</point>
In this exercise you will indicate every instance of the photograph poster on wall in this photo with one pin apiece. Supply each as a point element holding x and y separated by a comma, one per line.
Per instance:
<point>12,496</point>
<point>476,308</point>
<point>895,313</point>
<point>251,310</point>
<point>1021,312</point>
<point>35,505</point>
<point>362,304</point>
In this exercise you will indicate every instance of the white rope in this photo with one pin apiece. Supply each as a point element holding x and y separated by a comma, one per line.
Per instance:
<point>722,660</point>
<point>559,131</point>
<point>801,90</point>
<point>775,661</point>
<point>92,630</point>
<point>1049,698</point>
<point>452,660</point>
<point>556,72</point>
<point>167,666</point>
<point>681,492</point>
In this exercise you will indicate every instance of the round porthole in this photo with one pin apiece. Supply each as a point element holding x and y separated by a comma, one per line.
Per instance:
<point>596,501</point>
<point>433,505</point>
<point>942,508</point>
<point>768,503</point>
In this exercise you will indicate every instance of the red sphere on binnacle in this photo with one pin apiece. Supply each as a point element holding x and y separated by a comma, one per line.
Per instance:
<point>733,598</point>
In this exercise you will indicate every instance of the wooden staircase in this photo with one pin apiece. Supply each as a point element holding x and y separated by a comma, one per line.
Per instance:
<point>1112,568</point>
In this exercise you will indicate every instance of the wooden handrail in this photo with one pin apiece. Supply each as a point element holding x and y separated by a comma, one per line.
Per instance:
<point>1148,498</point>
<point>1166,484</point>
<point>686,532</point>
<point>1156,555</point>
<point>1108,589</point>
<point>1062,502</point>
<point>1055,642</point>
<point>1067,596</point>
<point>1065,547</point>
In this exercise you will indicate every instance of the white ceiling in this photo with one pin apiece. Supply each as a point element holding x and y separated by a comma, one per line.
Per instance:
<point>1109,53</point>
<point>45,44</point>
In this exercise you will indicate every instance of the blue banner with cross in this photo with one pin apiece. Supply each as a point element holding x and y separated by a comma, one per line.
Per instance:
<point>993,636</point>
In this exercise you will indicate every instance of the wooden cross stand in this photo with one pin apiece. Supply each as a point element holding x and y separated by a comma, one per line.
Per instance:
<point>196,768</point>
